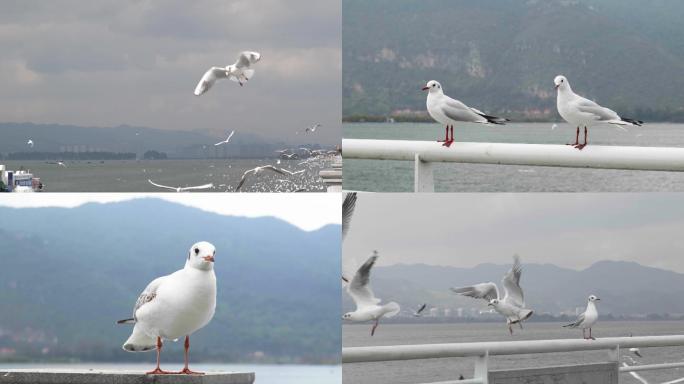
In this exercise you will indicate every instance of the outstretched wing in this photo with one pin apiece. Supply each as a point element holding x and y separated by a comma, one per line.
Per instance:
<point>421,309</point>
<point>359,288</point>
<point>247,58</point>
<point>204,186</point>
<point>347,211</point>
<point>486,291</point>
<point>513,294</point>
<point>209,78</point>
<point>160,186</point>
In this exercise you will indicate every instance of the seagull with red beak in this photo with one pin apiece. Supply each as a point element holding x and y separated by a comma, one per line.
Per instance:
<point>175,305</point>
<point>448,111</point>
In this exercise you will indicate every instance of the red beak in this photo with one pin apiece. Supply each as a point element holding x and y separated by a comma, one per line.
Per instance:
<point>209,258</point>
<point>426,88</point>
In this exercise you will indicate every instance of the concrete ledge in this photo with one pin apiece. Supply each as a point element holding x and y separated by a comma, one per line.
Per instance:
<point>604,373</point>
<point>56,376</point>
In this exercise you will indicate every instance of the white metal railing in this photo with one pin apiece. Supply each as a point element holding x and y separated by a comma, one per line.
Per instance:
<point>425,153</point>
<point>482,351</point>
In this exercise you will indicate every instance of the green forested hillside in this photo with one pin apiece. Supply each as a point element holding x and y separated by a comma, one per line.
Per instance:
<point>502,55</point>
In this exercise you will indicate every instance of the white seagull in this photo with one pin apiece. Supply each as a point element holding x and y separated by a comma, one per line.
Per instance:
<point>586,319</point>
<point>226,141</point>
<point>579,111</point>
<point>257,170</point>
<point>448,111</point>
<point>367,305</point>
<point>418,312</point>
<point>175,305</point>
<point>182,189</point>
<point>348,206</point>
<point>512,305</point>
<point>312,128</point>
<point>30,143</point>
<point>240,71</point>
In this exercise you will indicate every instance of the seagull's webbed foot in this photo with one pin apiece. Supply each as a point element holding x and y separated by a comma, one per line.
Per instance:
<point>159,371</point>
<point>580,146</point>
<point>187,371</point>
<point>447,143</point>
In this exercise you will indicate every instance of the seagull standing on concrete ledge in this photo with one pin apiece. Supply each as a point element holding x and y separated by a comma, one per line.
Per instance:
<point>448,111</point>
<point>175,305</point>
<point>579,111</point>
<point>586,319</point>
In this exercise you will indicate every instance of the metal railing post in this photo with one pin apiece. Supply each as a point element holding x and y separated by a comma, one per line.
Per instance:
<point>482,368</point>
<point>423,176</point>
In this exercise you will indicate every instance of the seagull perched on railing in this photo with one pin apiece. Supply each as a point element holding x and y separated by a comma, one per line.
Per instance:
<point>586,319</point>
<point>367,305</point>
<point>257,170</point>
<point>240,71</point>
<point>448,111</point>
<point>226,141</point>
<point>512,305</point>
<point>579,111</point>
<point>182,189</point>
<point>175,305</point>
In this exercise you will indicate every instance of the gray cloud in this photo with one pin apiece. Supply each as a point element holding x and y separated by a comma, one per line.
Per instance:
<point>570,230</point>
<point>137,62</point>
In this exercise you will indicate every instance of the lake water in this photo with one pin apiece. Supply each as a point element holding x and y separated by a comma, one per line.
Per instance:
<point>397,176</point>
<point>435,370</point>
<point>132,175</point>
<point>265,374</point>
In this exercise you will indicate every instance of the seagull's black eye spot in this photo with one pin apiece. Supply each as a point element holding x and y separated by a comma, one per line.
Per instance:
<point>196,251</point>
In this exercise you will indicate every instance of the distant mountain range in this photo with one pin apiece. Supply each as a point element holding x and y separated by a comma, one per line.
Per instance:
<point>66,275</point>
<point>501,55</point>
<point>177,144</point>
<point>625,288</point>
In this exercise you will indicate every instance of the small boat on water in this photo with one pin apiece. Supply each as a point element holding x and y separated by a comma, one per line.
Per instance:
<point>19,181</point>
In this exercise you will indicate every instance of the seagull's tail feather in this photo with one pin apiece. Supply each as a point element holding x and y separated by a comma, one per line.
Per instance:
<point>248,73</point>
<point>126,321</point>
<point>494,119</point>
<point>392,309</point>
<point>638,123</point>
<point>571,325</point>
<point>139,342</point>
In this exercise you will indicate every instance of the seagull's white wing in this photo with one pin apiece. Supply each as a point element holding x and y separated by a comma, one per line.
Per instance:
<point>359,288</point>
<point>247,58</point>
<point>456,110</point>
<point>347,211</point>
<point>229,136</point>
<point>576,323</point>
<point>486,291</point>
<point>513,294</point>
<point>160,186</point>
<point>204,186</point>
<point>244,178</point>
<point>148,294</point>
<point>209,79</point>
<point>597,112</point>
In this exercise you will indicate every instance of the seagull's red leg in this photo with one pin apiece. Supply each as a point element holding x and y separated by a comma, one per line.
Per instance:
<point>576,138</point>
<point>584,334</point>
<point>158,371</point>
<point>446,135</point>
<point>448,142</point>
<point>374,326</point>
<point>187,370</point>
<point>510,328</point>
<point>590,336</point>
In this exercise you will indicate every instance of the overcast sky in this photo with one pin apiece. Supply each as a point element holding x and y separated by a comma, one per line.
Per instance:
<point>308,211</point>
<point>569,230</point>
<point>137,62</point>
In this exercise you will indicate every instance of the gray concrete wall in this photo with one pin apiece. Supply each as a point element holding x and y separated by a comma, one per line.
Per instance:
<point>39,376</point>
<point>602,373</point>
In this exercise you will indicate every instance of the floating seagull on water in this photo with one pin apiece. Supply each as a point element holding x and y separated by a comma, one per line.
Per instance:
<point>512,305</point>
<point>579,111</point>
<point>348,206</point>
<point>30,143</point>
<point>554,126</point>
<point>289,156</point>
<point>417,313</point>
<point>226,141</point>
<point>587,319</point>
<point>448,111</point>
<point>367,305</point>
<point>61,163</point>
<point>175,305</point>
<point>182,189</point>
<point>257,170</point>
<point>240,71</point>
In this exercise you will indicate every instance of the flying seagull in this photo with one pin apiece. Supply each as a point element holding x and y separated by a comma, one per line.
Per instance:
<point>175,305</point>
<point>182,189</point>
<point>30,143</point>
<point>240,71</point>
<point>579,111</point>
<point>226,141</point>
<point>256,171</point>
<point>417,313</point>
<point>367,305</point>
<point>512,305</point>
<point>312,128</point>
<point>586,319</point>
<point>448,111</point>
